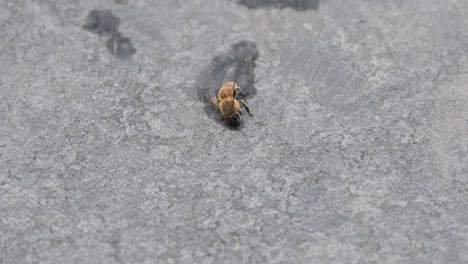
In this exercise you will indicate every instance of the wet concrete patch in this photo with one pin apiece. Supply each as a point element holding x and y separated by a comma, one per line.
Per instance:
<point>298,5</point>
<point>105,23</point>
<point>102,22</point>
<point>242,56</point>
<point>120,46</point>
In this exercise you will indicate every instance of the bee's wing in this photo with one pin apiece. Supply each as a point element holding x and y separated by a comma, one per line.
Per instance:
<point>210,97</point>
<point>230,75</point>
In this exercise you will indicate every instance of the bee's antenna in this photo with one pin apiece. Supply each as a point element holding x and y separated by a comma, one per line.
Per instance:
<point>234,86</point>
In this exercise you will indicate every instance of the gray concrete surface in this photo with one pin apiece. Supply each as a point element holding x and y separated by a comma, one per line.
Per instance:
<point>357,152</point>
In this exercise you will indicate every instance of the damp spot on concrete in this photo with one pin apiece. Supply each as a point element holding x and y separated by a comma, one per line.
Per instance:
<point>120,46</point>
<point>102,22</point>
<point>298,5</point>
<point>121,2</point>
<point>242,57</point>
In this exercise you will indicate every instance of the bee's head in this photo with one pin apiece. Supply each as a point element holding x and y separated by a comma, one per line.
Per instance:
<point>234,120</point>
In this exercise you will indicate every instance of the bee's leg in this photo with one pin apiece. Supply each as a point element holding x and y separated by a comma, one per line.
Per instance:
<point>242,92</point>
<point>246,107</point>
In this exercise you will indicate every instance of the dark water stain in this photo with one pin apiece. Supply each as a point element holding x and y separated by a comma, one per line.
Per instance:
<point>121,2</point>
<point>120,46</point>
<point>242,56</point>
<point>298,5</point>
<point>104,23</point>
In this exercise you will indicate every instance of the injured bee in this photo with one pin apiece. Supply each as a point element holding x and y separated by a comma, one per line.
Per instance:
<point>227,102</point>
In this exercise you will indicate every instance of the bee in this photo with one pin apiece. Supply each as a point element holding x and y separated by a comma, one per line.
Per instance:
<point>227,101</point>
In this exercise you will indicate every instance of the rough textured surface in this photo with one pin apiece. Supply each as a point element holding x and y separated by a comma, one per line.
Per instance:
<point>357,152</point>
<point>299,5</point>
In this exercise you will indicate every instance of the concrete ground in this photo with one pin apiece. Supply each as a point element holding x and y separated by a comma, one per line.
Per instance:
<point>357,151</point>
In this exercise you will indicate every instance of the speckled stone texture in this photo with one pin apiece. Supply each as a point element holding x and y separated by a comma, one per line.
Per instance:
<point>357,152</point>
